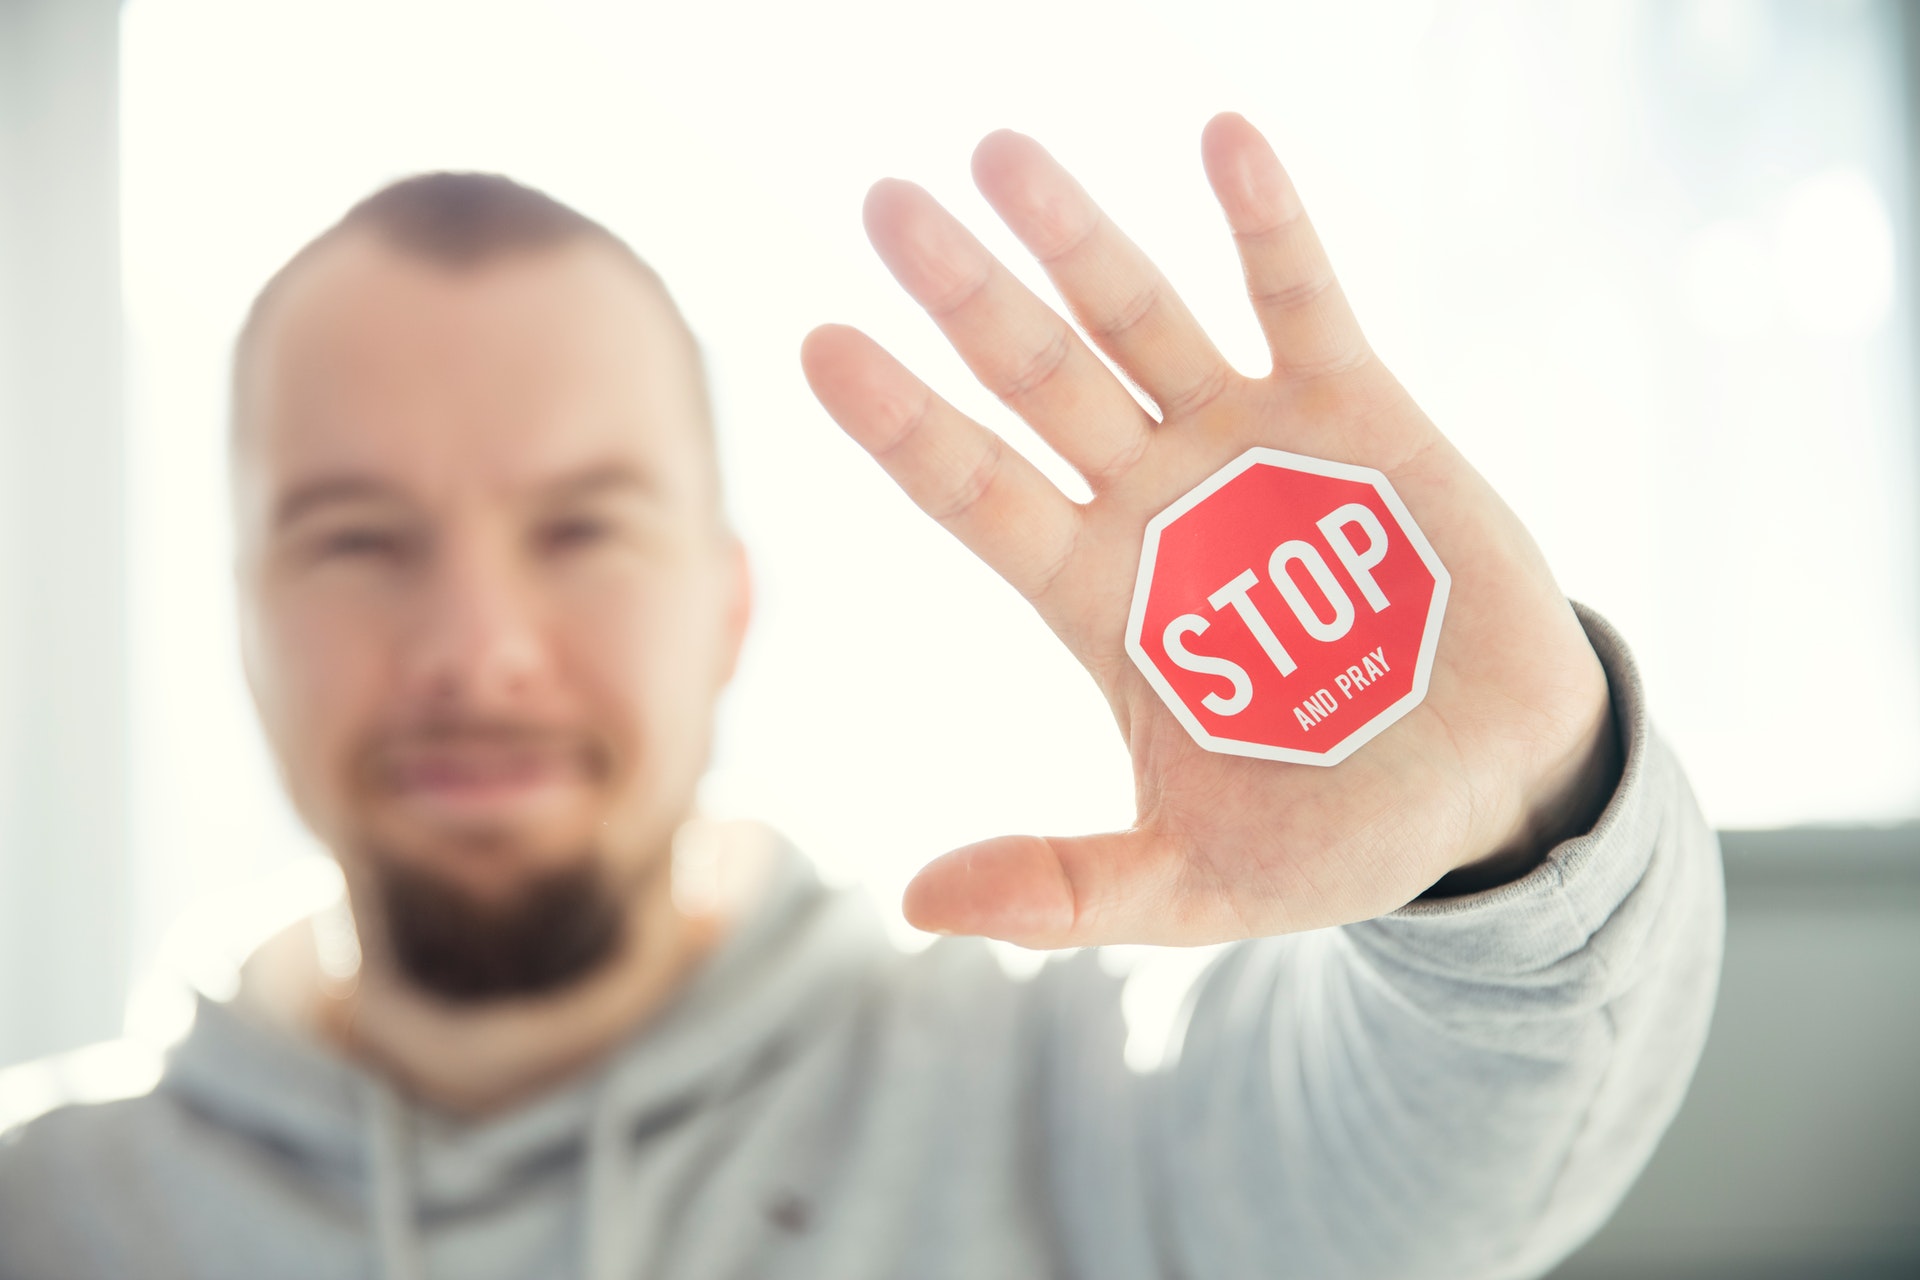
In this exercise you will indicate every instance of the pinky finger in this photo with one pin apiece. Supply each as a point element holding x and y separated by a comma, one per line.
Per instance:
<point>970,480</point>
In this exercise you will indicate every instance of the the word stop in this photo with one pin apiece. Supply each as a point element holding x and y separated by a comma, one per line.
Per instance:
<point>1287,608</point>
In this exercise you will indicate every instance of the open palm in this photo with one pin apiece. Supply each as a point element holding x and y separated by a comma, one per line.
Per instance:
<point>1513,747</point>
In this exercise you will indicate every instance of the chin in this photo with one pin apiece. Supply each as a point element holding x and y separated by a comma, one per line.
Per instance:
<point>498,924</point>
<point>492,864</point>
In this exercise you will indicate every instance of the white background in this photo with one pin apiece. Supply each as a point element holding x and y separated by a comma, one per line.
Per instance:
<point>1639,261</point>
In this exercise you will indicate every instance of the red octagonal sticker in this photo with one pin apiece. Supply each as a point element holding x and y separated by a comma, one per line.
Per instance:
<point>1287,608</point>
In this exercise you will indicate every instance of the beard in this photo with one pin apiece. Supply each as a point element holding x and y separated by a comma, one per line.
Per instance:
<point>555,927</point>
<point>552,932</point>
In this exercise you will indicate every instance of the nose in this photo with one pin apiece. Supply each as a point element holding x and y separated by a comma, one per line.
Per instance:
<point>479,640</point>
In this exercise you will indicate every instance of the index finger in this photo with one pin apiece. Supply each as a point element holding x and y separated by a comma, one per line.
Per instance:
<point>954,469</point>
<point>1310,328</point>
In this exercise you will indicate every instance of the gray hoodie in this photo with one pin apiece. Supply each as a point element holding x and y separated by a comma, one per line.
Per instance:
<point>1462,1088</point>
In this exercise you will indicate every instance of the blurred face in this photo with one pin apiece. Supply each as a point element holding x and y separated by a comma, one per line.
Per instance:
<point>488,602</point>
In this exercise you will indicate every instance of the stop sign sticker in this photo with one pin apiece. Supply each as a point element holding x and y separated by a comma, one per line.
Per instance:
<point>1288,608</point>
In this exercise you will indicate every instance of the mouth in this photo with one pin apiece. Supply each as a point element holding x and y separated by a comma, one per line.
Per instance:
<point>474,783</point>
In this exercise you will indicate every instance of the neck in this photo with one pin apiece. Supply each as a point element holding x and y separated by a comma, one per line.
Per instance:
<point>475,1059</point>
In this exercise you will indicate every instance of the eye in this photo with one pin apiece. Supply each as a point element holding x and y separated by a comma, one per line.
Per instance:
<point>362,543</point>
<point>573,533</point>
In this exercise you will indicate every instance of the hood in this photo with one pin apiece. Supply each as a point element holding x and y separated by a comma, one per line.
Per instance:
<point>798,954</point>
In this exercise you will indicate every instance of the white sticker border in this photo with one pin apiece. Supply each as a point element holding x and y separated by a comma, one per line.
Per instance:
<point>1430,636</point>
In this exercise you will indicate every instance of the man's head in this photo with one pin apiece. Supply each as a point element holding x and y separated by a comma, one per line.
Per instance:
<point>488,594</point>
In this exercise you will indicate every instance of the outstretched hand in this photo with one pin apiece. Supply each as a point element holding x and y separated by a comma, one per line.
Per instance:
<point>1514,747</point>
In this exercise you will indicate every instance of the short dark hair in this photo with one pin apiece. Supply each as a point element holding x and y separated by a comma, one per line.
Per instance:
<point>462,220</point>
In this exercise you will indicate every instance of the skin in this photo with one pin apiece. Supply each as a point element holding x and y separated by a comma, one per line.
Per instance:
<point>488,604</point>
<point>1514,748</point>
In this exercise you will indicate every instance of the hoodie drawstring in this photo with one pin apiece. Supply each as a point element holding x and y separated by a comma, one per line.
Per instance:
<point>603,1226</point>
<point>390,1200</point>
<point>390,1208</point>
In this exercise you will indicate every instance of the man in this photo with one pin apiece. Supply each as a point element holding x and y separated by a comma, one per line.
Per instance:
<point>489,601</point>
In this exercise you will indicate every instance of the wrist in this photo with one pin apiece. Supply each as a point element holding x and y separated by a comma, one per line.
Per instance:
<point>1563,802</point>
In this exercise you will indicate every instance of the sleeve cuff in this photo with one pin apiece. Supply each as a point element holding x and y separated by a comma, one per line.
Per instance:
<point>1553,910</point>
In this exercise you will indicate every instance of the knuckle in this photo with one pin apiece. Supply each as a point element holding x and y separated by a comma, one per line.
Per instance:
<point>1118,322</point>
<point>1211,386</point>
<point>907,419</point>
<point>1054,232</point>
<point>1112,469</point>
<point>1037,368</point>
<point>1294,294</point>
<point>1286,219</point>
<point>1332,361</point>
<point>1049,574</point>
<point>951,298</point>
<point>973,486</point>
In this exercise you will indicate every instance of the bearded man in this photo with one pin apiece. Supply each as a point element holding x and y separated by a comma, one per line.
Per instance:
<point>489,599</point>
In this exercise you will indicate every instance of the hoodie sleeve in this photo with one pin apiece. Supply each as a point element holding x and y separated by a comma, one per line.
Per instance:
<point>1465,1087</point>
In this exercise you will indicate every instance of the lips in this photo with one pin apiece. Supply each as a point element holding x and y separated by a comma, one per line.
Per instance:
<point>467,781</point>
<point>475,770</point>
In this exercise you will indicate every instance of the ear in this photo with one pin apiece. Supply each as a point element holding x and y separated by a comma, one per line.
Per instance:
<point>243,498</point>
<point>737,602</point>
<point>247,619</point>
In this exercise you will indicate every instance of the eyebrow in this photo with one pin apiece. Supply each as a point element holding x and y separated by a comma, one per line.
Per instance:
<point>327,490</point>
<point>604,477</point>
<point>591,481</point>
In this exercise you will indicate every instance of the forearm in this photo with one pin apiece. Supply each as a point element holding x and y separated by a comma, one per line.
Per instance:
<point>1466,1086</point>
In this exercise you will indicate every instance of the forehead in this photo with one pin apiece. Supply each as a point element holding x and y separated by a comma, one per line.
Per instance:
<point>491,378</point>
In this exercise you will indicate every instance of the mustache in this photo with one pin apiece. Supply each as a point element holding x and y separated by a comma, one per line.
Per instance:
<point>388,750</point>
<point>445,729</point>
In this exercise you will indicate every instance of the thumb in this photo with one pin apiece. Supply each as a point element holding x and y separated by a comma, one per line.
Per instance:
<point>1058,891</point>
